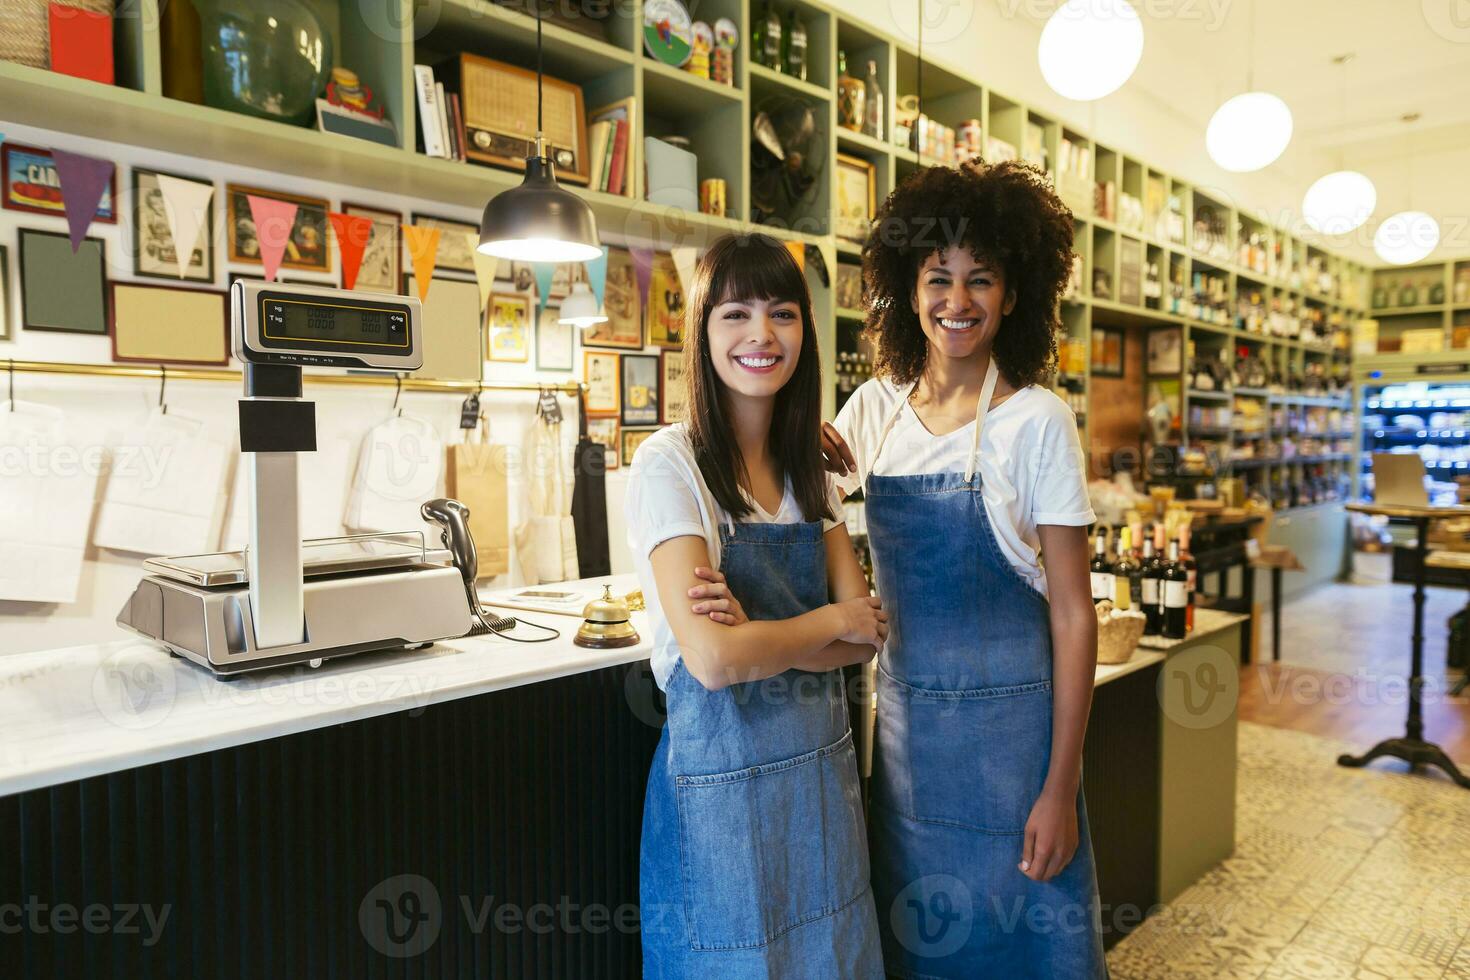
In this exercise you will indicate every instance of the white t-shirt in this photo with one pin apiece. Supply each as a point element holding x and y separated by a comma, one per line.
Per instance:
<point>1031,463</point>
<point>667,498</point>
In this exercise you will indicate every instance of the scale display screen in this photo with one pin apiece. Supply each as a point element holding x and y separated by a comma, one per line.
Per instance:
<point>322,323</point>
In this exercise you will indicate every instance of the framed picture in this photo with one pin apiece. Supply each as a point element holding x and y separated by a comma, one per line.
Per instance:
<point>153,241</point>
<point>639,385</point>
<point>523,274</point>
<point>855,198</point>
<point>673,389</point>
<point>605,432</point>
<point>1165,350</point>
<point>62,290</point>
<point>632,439</point>
<point>455,254</point>
<point>522,277</point>
<point>509,325</point>
<point>382,257</point>
<point>170,324</point>
<point>1107,352</point>
<point>848,290</point>
<point>556,342</point>
<point>454,334</point>
<point>31,184</point>
<point>600,371</point>
<point>307,248</point>
<point>665,303</point>
<point>4,293</point>
<point>621,303</point>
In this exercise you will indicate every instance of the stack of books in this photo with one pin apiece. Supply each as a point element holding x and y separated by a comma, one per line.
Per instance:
<point>440,121</point>
<point>610,142</point>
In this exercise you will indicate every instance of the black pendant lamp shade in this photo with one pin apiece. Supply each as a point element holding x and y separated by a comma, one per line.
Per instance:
<point>539,221</point>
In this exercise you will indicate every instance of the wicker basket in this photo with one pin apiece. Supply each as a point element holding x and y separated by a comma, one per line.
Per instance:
<point>25,31</point>
<point>1118,631</point>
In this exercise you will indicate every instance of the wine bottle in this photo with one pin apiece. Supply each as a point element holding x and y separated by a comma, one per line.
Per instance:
<point>1102,569</point>
<point>766,42</point>
<point>793,46</point>
<point>1150,574</point>
<point>873,107</point>
<point>1191,572</point>
<point>1123,571</point>
<point>1174,583</point>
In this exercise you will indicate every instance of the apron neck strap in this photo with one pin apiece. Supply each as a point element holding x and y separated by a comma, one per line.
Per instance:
<point>888,424</point>
<point>987,392</point>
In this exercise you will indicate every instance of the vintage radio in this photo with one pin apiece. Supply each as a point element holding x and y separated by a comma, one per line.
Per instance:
<point>498,102</point>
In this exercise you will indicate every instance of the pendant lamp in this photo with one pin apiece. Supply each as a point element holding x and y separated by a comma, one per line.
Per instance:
<point>1089,48</point>
<point>1249,131</point>
<point>580,308</point>
<point>539,221</point>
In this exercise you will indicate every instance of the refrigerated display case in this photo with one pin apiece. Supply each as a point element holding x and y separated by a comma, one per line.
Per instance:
<point>1430,419</point>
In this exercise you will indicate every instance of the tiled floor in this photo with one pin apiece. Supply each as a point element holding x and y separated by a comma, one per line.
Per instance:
<point>1336,873</point>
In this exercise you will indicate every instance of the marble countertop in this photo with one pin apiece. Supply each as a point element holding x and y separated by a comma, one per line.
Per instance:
<point>1206,622</point>
<point>90,710</point>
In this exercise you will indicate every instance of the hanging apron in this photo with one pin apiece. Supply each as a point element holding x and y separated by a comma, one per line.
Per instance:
<point>754,863</point>
<point>963,744</point>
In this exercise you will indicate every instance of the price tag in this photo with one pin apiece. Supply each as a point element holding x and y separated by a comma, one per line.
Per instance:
<point>549,407</point>
<point>469,412</point>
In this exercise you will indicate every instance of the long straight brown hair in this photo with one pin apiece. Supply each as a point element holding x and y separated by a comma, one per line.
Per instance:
<point>740,268</point>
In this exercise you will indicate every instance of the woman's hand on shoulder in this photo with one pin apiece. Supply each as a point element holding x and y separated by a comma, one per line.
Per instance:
<point>836,454</point>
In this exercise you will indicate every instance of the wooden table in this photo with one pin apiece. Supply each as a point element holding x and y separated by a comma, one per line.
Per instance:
<point>1411,747</point>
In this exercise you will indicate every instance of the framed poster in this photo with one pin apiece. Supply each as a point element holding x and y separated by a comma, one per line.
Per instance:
<point>854,198</point>
<point>621,303</point>
<point>170,324</point>
<point>673,390</point>
<point>638,389</point>
<point>523,274</point>
<point>306,248</point>
<point>1107,352</point>
<point>4,294</point>
<point>1165,351</point>
<point>153,242</point>
<point>665,303</point>
<point>62,290</point>
<point>452,330</point>
<point>632,439</point>
<point>605,433</point>
<point>510,327</point>
<point>382,257</point>
<point>848,290</point>
<point>31,184</point>
<point>455,254</point>
<point>600,371</point>
<point>556,342</point>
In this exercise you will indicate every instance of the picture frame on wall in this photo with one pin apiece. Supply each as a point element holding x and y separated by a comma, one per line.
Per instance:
<point>1107,352</point>
<point>631,440</point>
<point>31,184</point>
<point>604,432</point>
<point>638,388</point>
<point>156,324</point>
<point>153,240</point>
<point>381,270</point>
<point>1165,350</point>
<point>4,293</point>
<point>854,197</point>
<point>509,326</point>
<point>622,304</point>
<point>523,274</point>
<point>308,248</point>
<point>665,303</point>
<point>455,253</point>
<point>60,290</point>
<point>600,372</point>
<point>672,386</point>
<point>556,342</point>
<point>847,292</point>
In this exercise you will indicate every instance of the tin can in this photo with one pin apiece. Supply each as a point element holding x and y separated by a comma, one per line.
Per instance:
<point>712,196</point>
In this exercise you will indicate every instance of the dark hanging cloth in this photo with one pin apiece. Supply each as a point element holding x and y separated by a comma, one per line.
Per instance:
<point>589,501</point>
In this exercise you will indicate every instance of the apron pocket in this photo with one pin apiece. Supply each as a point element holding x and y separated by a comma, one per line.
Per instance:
<point>975,759</point>
<point>768,848</point>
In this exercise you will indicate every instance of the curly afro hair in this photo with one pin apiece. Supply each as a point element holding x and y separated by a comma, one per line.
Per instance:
<point>1006,214</point>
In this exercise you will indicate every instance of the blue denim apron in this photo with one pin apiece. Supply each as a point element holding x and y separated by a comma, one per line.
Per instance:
<point>963,744</point>
<point>754,861</point>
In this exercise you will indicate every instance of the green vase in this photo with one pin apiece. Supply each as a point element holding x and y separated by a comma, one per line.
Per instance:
<point>266,58</point>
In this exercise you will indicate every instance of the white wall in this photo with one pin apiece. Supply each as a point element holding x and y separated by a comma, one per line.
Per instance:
<point>104,406</point>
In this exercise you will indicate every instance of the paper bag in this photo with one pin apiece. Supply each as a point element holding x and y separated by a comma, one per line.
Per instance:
<point>475,475</point>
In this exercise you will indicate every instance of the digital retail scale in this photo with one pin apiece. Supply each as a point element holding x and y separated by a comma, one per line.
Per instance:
<point>282,600</point>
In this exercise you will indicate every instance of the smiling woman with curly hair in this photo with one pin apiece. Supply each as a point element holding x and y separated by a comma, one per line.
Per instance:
<point>972,472</point>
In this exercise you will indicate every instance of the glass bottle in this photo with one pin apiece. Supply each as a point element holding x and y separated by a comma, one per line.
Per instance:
<point>766,38</point>
<point>1174,583</point>
<point>793,46</point>
<point>1124,572</point>
<point>873,111</point>
<point>1101,569</point>
<point>851,97</point>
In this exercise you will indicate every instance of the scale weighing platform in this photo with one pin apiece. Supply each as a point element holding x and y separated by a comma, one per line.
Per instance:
<point>285,601</point>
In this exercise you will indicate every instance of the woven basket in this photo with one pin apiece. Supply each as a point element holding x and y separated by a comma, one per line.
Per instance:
<point>24,30</point>
<point>1118,631</point>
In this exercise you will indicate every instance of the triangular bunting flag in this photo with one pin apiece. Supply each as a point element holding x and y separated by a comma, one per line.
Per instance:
<point>544,271</point>
<point>273,220</point>
<point>642,268</point>
<point>353,234</point>
<point>685,258</point>
<point>186,204</point>
<point>597,275</point>
<point>798,252</point>
<point>485,268</point>
<point>82,179</point>
<point>423,249</point>
<point>829,258</point>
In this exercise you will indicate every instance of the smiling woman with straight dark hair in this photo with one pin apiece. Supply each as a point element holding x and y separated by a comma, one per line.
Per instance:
<point>754,861</point>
